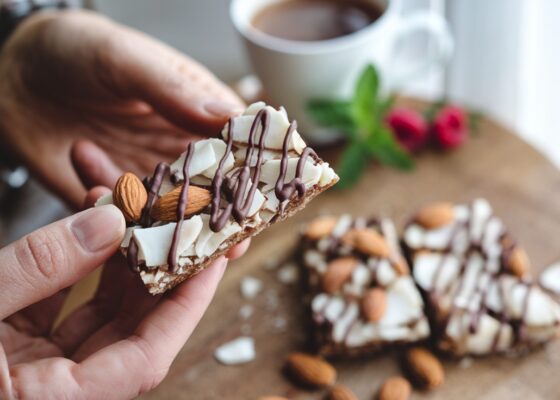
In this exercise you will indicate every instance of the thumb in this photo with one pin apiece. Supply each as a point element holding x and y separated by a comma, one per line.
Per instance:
<point>179,88</point>
<point>56,256</point>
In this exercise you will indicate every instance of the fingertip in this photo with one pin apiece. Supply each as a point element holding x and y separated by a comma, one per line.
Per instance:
<point>95,194</point>
<point>93,165</point>
<point>239,250</point>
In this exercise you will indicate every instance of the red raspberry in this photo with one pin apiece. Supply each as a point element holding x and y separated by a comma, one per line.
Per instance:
<point>450,128</point>
<point>409,127</point>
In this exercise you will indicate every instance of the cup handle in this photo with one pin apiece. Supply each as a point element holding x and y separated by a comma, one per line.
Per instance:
<point>436,26</point>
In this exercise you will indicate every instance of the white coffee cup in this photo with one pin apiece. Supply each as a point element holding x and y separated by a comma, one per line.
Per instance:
<point>293,72</point>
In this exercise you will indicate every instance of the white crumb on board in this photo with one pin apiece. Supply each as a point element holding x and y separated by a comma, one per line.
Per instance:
<point>250,287</point>
<point>288,273</point>
<point>280,323</point>
<point>272,300</point>
<point>246,311</point>
<point>238,351</point>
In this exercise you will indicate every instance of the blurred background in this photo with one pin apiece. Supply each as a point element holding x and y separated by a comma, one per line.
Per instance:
<point>505,64</point>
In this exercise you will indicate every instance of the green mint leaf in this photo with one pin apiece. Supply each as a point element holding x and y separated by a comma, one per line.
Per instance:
<point>364,103</point>
<point>383,146</point>
<point>334,114</point>
<point>351,165</point>
<point>385,106</point>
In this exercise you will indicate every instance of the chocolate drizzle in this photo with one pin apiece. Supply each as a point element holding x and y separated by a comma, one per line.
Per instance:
<point>153,190</point>
<point>284,191</point>
<point>234,187</point>
<point>236,201</point>
<point>153,185</point>
<point>233,194</point>
<point>181,205</point>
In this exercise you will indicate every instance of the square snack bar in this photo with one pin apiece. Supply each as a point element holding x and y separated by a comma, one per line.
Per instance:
<point>476,281</point>
<point>218,193</point>
<point>362,297</point>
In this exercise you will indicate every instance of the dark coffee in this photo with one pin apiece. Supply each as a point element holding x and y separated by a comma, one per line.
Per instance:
<point>312,20</point>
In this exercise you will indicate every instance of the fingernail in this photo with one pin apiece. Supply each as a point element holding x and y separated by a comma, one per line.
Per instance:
<point>222,108</point>
<point>98,228</point>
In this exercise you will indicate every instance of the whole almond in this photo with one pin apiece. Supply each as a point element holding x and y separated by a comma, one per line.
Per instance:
<point>424,368</point>
<point>341,392</point>
<point>130,196</point>
<point>320,227</point>
<point>436,215</point>
<point>518,262</point>
<point>165,209</point>
<point>374,304</point>
<point>395,388</point>
<point>338,272</point>
<point>367,241</point>
<point>310,370</point>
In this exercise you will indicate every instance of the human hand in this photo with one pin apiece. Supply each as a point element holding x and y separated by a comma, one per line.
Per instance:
<point>116,346</point>
<point>72,75</point>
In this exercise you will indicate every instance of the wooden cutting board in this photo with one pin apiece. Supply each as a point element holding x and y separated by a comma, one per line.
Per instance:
<point>524,189</point>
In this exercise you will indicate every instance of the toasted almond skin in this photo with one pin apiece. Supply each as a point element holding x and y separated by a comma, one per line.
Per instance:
<point>367,241</point>
<point>395,388</point>
<point>310,370</point>
<point>165,209</point>
<point>320,227</point>
<point>130,196</point>
<point>424,368</point>
<point>518,262</point>
<point>338,272</point>
<point>374,304</point>
<point>435,215</point>
<point>341,392</point>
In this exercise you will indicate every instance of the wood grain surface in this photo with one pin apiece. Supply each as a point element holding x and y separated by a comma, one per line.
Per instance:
<point>524,189</point>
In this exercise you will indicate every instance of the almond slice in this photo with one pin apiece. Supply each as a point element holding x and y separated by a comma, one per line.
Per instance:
<point>395,388</point>
<point>436,215</point>
<point>165,209</point>
<point>374,304</point>
<point>424,368</point>
<point>338,272</point>
<point>367,241</point>
<point>310,370</point>
<point>130,196</point>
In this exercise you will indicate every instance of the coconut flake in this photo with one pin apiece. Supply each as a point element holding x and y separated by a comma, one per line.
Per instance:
<point>278,126</point>
<point>154,243</point>
<point>550,278</point>
<point>104,200</point>
<point>271,170</point>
